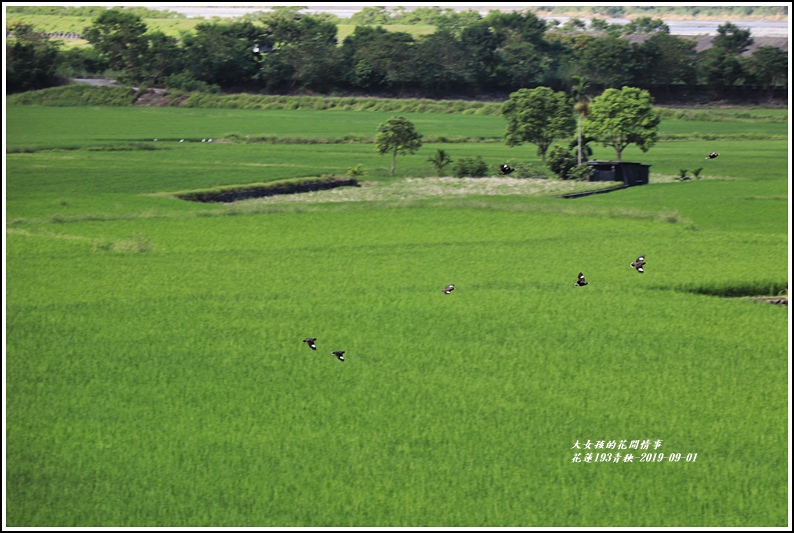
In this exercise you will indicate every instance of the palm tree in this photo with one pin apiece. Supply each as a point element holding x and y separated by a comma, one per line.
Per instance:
<point>581,107</point>
<point>440,160</point>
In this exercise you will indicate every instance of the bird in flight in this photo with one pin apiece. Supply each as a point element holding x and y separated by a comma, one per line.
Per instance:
<point>505,169</point>
<point>580,282</point>
<point>339,355</point>
<point>310,342</point>
<point>448,289</point>
<point>639,264</point>
<point>712,155</point>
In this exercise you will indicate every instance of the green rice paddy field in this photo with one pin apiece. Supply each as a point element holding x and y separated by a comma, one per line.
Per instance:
<point>155,374</point>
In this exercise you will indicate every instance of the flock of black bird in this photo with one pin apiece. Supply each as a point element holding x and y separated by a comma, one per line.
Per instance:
<point>638,265</point>
<point>311,342</point>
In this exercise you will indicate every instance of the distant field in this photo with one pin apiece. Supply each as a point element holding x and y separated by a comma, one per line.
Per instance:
<point>156,375</point>
<point>173,27</point>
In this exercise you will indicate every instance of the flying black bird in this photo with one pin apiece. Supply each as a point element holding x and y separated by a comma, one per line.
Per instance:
<point>505,169</point>
<point>580,282</point>
<point>639,264</point>
<point>448,289</point>
<point>712,155</point>
<point>339,355</point>
<point>310,342</point>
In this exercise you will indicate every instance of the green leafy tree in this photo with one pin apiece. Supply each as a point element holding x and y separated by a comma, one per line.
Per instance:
<point>574,23</point>
<point>608,60</point>
<point>597,24</point>
<point>769,66</point>
<point>371,15</point>
<point>521,64</point>
<point>31,59</point>
<point>163,58</point>
<point>719,68</point>
<point>602,25</point>
<point>674,60</point>
<point>440,62</point>
<point>305,52</point>
<point>620,117</point>
<point>646,25</point>
<point>506,50</point>
<point>732,39</point>
<point>480,44</point>
<point>397,136</point>
<point>537,116</point>
<point>221,53</point>
<point>379,59</point>
<point>119,37</point>
<point>456,21</point>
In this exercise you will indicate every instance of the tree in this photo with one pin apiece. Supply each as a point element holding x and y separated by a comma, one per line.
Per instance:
<point>720,68</point>
<point>769,66</point>
<point>440,62</point>
<point>304,52</point>
<point>674,62</point>
<point>646,25</point>
<point>163,58</point>
<point>221,53</point>
<point>397,136</point>
<point>574,23</point>
<point>520,64</point>
<point>537,116</point>
<point>608,60</point>
<point>379,59</point>
<point>31,59</point>
<point>119,37</point>
<point>732,39</point>
<point>371,15</point>
<point>622,117</point>
<point>506,50</point>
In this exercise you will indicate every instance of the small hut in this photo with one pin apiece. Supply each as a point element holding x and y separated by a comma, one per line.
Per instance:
<point>629,173</point>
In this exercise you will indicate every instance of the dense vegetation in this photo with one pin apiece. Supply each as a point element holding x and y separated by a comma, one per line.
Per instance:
<point>156,375</point>
<point>284,51</point>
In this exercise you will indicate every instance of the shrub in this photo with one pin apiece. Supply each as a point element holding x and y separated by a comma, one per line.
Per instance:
<point>581,172</point>
<point>186,82</point>
<point>560,160</point>
<point>356,171</point>
<point>530,171</point>
<point>470,167</point>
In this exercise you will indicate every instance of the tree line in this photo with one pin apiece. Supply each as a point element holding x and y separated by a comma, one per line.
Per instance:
<point>284,51</point>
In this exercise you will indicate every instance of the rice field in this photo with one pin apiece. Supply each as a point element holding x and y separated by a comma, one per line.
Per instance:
<point>155,374</point>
